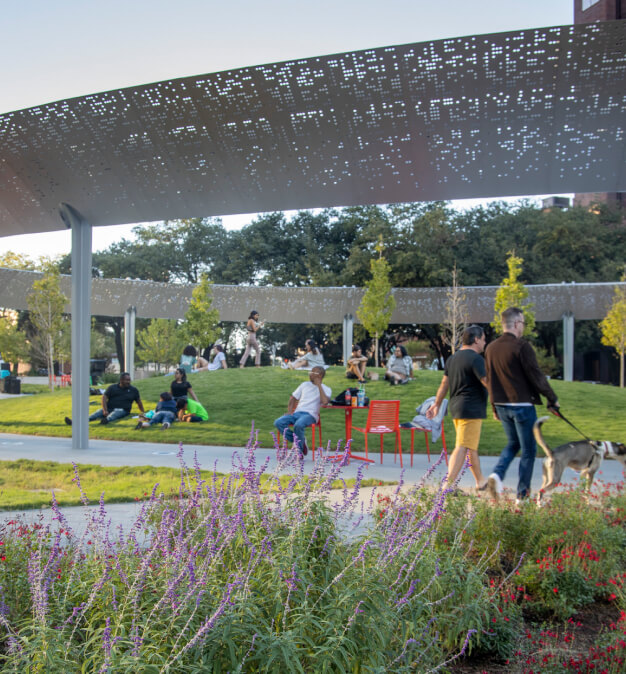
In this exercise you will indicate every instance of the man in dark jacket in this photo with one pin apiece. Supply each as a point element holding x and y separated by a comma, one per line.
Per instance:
<point>515,384</point>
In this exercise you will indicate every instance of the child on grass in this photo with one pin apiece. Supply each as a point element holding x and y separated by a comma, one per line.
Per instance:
<point>191,410</point>
<point>164,413</point>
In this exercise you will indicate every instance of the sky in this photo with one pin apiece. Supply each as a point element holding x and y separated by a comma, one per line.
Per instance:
<point>52,50</point>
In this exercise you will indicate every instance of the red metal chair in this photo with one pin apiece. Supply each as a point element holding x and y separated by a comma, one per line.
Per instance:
<point>315,429</point>
<point>426,431</point>
<point>382,418</point>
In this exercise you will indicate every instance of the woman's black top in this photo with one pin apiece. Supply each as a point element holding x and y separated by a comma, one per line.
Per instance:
<point>179,389</point>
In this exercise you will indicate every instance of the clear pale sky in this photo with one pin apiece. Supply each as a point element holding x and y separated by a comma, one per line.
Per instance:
<point>56,49</point>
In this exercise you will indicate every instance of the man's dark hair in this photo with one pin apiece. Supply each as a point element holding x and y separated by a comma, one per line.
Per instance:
<point>124,374</point>
<point>320,369</point>
<point>472,334</point>
<point>166,395</point>
<point>510,315</point>
<point>181,403</point>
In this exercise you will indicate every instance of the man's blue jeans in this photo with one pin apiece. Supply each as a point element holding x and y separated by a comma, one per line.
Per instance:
<point>518,421</point>
<point>114,415</point>
<point>300,421</point>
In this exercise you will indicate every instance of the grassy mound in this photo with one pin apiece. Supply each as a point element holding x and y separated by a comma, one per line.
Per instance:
<point>234,398</point>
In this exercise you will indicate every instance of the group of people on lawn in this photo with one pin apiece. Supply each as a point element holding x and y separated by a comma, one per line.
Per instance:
<point>509,373</point>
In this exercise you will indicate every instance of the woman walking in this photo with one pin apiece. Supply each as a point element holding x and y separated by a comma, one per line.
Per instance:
<point>252,327</point>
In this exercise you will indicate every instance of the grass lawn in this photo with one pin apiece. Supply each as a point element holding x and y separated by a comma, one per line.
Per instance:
<point>237,398</point>
<point>29,484</point>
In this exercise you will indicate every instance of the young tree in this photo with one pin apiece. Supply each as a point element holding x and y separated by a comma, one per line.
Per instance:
<point>513,293</point>
<point>378,303</point>
<point>614,328</point>
<point>159,343</point>
<point>201,326</point>
<point>46,304</point>
<point>456,314</point>
<point>13,342</point>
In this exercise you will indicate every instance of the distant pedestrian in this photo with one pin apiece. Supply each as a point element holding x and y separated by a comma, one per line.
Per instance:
<point>515,385</point>
<point>252,327</point>
<point>466,379</point>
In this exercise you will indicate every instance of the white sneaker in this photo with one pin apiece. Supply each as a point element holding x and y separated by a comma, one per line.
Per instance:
<point>165,426</point>
<point>494,486</point>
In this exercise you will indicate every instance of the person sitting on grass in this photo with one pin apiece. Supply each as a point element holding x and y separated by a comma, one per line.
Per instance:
<point>190,411</point>
<point>312,357</point>
<point>218,362</point>
<point>356,365</point>
<point>304,408</point>
<point>180,387</point>
<point>117,402</point>
<point>399,367</point>
<point>164,413</point>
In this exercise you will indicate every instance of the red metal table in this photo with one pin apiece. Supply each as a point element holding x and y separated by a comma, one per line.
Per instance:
<point>348,409</point>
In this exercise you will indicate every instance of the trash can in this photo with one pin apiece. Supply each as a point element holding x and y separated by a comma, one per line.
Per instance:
<point>12,385</point>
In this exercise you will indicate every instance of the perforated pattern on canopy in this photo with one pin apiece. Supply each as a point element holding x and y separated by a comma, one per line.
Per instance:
<point>531,112</point>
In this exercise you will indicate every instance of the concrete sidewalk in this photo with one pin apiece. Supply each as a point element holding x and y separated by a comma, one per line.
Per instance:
<point>115,453</point>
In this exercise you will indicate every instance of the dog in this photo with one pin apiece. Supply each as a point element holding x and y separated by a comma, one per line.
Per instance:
<point>582,456</point>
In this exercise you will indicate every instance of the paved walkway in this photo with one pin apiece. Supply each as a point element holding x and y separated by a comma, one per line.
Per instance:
<point>115,453</point>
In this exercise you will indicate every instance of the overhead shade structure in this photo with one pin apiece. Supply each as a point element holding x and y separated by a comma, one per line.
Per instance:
<point>528,112</point>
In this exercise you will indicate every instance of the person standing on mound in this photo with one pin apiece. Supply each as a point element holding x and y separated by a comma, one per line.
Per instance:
<point>252,327</point>
<point>304,408</point>
<point>466,378</point>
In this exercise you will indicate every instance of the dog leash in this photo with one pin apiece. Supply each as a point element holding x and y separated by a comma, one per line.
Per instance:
<point>557,413</point>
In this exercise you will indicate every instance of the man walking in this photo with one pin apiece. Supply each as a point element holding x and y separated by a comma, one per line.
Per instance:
<point>117,402</point>
<point>515,383</point>
<point>304,408</point>
<point>466,378</point>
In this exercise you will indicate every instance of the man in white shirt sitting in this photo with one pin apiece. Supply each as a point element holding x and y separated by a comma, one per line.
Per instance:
<point>304,408</point>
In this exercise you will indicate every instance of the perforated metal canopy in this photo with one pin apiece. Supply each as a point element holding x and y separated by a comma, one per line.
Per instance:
<point>531,112</point>
<point>111,297</point>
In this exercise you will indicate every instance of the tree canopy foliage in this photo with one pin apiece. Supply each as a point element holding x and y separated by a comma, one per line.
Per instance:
<point>334,247</point>
<point>614,328</point>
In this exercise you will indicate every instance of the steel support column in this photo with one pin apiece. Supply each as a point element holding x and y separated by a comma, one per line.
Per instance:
<point>348,329</point>
<point>81,323</point>
<point>129,340</point>
<point>568,346</point>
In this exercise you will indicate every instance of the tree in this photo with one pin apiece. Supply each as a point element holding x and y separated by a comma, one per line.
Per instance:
<point>201,326</point>
<point>378,303</point>
<point>159,343</point>
<point>13,342</point>
<point>513,293</point>
<point>46,304</point>
<point>614,327</point>
<point>456,314</point>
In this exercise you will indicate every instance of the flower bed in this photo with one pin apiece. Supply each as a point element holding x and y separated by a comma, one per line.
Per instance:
<point>245,573</point>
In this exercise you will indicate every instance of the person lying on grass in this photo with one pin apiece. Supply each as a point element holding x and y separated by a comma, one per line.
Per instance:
<point>117,402</point>
<point>164,413</point>
<point>191,411</point>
